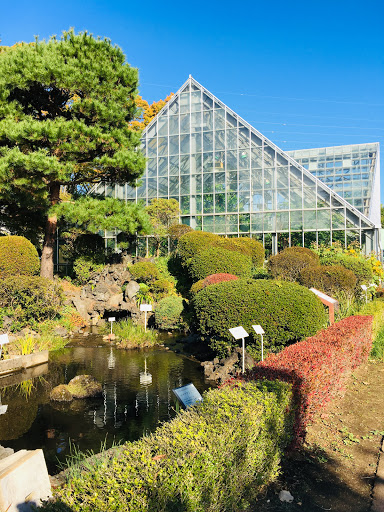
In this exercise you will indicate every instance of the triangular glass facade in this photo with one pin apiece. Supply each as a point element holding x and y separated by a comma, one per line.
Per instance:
<point>231,180</point>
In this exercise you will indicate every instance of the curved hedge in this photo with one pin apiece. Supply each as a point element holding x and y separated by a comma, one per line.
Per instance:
<point>288,263</point>
<point>245,245</point>
<point>360,267</point>
<point>192,242</point>
<point>212,279</point>
<point>287,311</point>
<point>331,279</point>
<point>215,260</point>
<point>18,257</point>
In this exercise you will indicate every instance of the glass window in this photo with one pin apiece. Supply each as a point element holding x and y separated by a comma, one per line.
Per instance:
<point>152,187</point>
<point>243,137</point>
<point>269,200</point>
<point>244,202</point>
<point>184,102</point>
<point>255,140</point>
<point>244,223</point>
<point>152,131</point>
<point>219,119</point>
<point>162,124</point>
<point>174,106</point>
<point>163,166</point>
<point>270,221</point>
<point>196,122</point>
<point>185,185</point>
<point>231,139</point>
<point>196,101</point>
<point>257,222</point>
<point>173,145</point>
<point>208,141</point>
<point>296,220</point>
<point>244,159</point>
<point>231,121</point>
<point>269,156</point>
<point>309,219</point>
<point>207,120</point>
<point>152,167</point>
<point>207,102</point>
<point>219,140</point>
<point>185,205</point>
<point>257,202</point>
<point>184,123</point>
<point>232,202</point>
<point>282,199</point>
<point>257,179</point>
<point>152,145</point>
<point>173,125</point>
<point>282,221</point>
<point>173,165</point>
<point>174,185</point>
<point>195,142</point>
<point>208,223</point>
<point>220,182</point>
<point>282,177</point>
<point>196,186</point>
<point>185,164</point>
<point>219,160</point>
<point>324,219</point>
<point>338,218</point>
<point>296,198</point>
<point>220,224</point>
<point>208,203</point>
<point>184,144</point>
<point>163,187</point>
<point>232,223</point>
<point>231,160</point>
<point>207,183</point>
<point>257,157</point>
<point>207,162</point>
<point>220,203</point>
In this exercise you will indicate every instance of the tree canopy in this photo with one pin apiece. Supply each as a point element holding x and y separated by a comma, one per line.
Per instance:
<point>65,111</point>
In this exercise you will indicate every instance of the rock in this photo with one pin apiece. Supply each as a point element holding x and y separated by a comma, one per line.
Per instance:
<point>81,308</point>
<point>5,452</point>
<point>61,393</point>
<point>132,289</point>
<point>285,496</point>
<point>60,331</point>
<point>114,301</point>
<point>84,386</point>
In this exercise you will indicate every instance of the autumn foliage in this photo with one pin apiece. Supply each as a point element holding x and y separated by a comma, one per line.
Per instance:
<point>212,279</point>
<point>148,112</point>
<point>318,366</point>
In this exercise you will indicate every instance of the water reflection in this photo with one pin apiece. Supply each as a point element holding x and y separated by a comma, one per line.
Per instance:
<point>136,396</point>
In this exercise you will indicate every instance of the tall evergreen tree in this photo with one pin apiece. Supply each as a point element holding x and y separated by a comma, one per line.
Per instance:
<point>65,109</point>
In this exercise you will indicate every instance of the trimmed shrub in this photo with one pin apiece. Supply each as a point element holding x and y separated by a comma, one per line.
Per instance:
<point>18,257</point>
<point>215,260</point>
<point>319,366</point>
<point>144,272</point>
<point>244,245</point>
<point>288,264</point>
<point>161,288</point>
<point>212,279</point>
<point>287,312</point>
<point>178,230</point>
<point>216,456</point>
<point>332,279</point>
<point>30,298</point>
<point>84,267</point>
<point>359,266</point>
<point>168,313</point>
<point>191,243</point>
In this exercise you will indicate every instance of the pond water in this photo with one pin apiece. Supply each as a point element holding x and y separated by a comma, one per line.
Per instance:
<point>129,408</point>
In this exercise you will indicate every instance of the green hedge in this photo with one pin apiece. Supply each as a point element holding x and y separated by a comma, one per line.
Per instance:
<point>214,457</point>
<point>330,279</point>
<point>18,257</point>
<point>288,264</point>
<point>215,260</point>
<point>169,313</point>
<point>192,242</point>
<point>244,245</point>
<point>30,298</point>
<point>359,266</point>
<point>144,272</point>
<point>287,311</point>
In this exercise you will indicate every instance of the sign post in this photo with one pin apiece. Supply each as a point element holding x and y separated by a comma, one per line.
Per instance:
<point>111,319</point>
<point>240,333</point>
<point>332,304</point>
<point>365,289</point>
<point>145,308</point>
<point>259,330</point>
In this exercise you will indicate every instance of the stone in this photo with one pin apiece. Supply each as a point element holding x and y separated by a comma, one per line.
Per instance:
<point>60,331</point>
<point>114,301</point>
<point>81,308</point>
<point>5,452</point>
<point>24,481</point>
<point>84,386</point>
<point>132,289</point>
<point>61,393</point>
<point>285,496</point>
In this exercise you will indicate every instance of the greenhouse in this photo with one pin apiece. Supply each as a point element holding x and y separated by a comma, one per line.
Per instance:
<point>231,180</point>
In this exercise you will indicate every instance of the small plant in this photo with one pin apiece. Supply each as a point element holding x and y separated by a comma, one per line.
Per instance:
<point>144,272</point>
<point>84,268</point>
<point>169,313</point>
<point>25,345</point>
<point>143,296</point>
<point>131,335</point>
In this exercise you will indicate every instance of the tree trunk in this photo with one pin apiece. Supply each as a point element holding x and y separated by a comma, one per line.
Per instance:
<point>46,268</point>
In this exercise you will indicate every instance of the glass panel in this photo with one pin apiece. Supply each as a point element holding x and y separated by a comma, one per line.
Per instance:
<point>196,122</point>
<point>163,187</point>
<point>220,203</point>
<point>231,121</point>
<point>208,223</point>
<point>257,179</point>
<point>185,185</point>
<point>282,177</point>
<point>244,159</point>
<point>173,125</point>
<point>269,156</point>
<point>196,101</point>
<point>207,120</point>
<point>255,140</point>
<point>174,145</point>
<point>220,224</point>
<point>207,183</point>
<point>244,202</point>
<point>184,123</point>
<point>220,182</point>
<point>219,119</point>
<point>162,124</point>
<point>324,219</point>
<point>296,198</point>
<point>296,220</point>
<point>184,144</point>
<point>151,167</point>
<point>196,165</point>
<point>270,222</point>
<point>257,221</point>
<point>174,185</point>
<point>163,166</point>
<point>219,160</point>
<point>282,221</point>
<point>207,162</point>
<point>338,218</point>
<point>231,139</point>
<point>185,205</point>
<point>196,181</point>
<point>257,201</point>
<point>244,223</point>
<point>207,102</point>
<point>282,199</point>
<point>152,187</point>
<point>208,141</point>
<point>208,203</point>
<point>173,165</point>
<point>232,202</point>
<point>232,223</point>
<point>243,137</point>
<point>185,166</point>
<point>231,160</point>
<point>174,106</point>
<point>257,157</point>
<point>309,219</point>
<point>219,140</point>
<point>195,142</point>
<point>309,239</point>
<point>152,145</point>
<point>184,102</point>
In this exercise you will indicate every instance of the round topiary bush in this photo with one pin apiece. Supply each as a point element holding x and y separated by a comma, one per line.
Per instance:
<point>144,272</point>
<point>245,245</point>
<point>212,279</point>
<point>161,288</point>
<point>191,243</point>
<point>215,260</point>
<point>168,313</point>
<point>18,257</point>
<point>288,264</point>
<point>330,279</point>
<point>287,312</point>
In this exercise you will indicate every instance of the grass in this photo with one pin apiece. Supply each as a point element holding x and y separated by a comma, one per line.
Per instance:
<point>131,335</point>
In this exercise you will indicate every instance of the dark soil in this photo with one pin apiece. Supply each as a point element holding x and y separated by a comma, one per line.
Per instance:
<point>335,471</point>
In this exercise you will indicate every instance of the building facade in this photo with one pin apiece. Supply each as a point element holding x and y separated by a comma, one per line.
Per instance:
<point>231,180</point>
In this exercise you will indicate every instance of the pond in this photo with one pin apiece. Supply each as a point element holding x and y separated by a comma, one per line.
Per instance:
<point>132,404</point>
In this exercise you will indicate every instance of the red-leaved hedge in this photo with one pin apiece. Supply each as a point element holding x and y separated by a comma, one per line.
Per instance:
<point>212,279</point>
<point>318,366</point>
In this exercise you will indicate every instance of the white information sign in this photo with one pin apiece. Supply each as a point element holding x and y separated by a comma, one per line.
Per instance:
<point>324,296</point>
<point>3,409</point>
<point>188,395</point>
<point>364,287</point>
<point>111,319</point>
<point>4,339</point>
<point>145,307</point>
<point>258,329</point>
<point>238,332</point>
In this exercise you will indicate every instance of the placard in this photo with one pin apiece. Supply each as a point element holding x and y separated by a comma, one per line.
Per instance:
<point>258,329</point>
<point>4,339</point>
<point>188,395</point>
<point>111,319</point>
<point>145,307</point>
<point>324,297</point>
<point>238,332</point>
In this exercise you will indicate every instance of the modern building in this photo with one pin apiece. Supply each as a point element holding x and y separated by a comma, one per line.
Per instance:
<point>231,180</point>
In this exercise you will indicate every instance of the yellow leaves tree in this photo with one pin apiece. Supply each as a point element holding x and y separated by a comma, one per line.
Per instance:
<point>148,112</point>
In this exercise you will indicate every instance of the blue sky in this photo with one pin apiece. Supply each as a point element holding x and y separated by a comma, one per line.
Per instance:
<point>305,74</point>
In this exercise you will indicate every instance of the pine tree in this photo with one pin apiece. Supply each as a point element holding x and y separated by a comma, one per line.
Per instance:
<point>65,109</point>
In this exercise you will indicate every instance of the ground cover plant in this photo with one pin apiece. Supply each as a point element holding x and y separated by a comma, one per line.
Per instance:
<point>213,457</point>
<point>318,366</point>
<point>287,312</point>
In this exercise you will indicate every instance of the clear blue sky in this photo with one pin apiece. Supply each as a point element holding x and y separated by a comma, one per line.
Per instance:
<point>306,74</point>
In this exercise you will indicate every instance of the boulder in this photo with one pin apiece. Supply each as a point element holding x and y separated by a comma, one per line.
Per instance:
<point>131,289</point>
<point>61,393</point>
<point>114,301</point>
<point>81,308</point>
<point>84,386</point>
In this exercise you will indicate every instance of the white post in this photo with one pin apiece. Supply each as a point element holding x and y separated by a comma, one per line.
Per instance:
<point>259,330</point>
<point>243,354</point>
<point>145,308</point>
<point>240,333</point>
<point>145,321</point>
<point>262,348</point>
